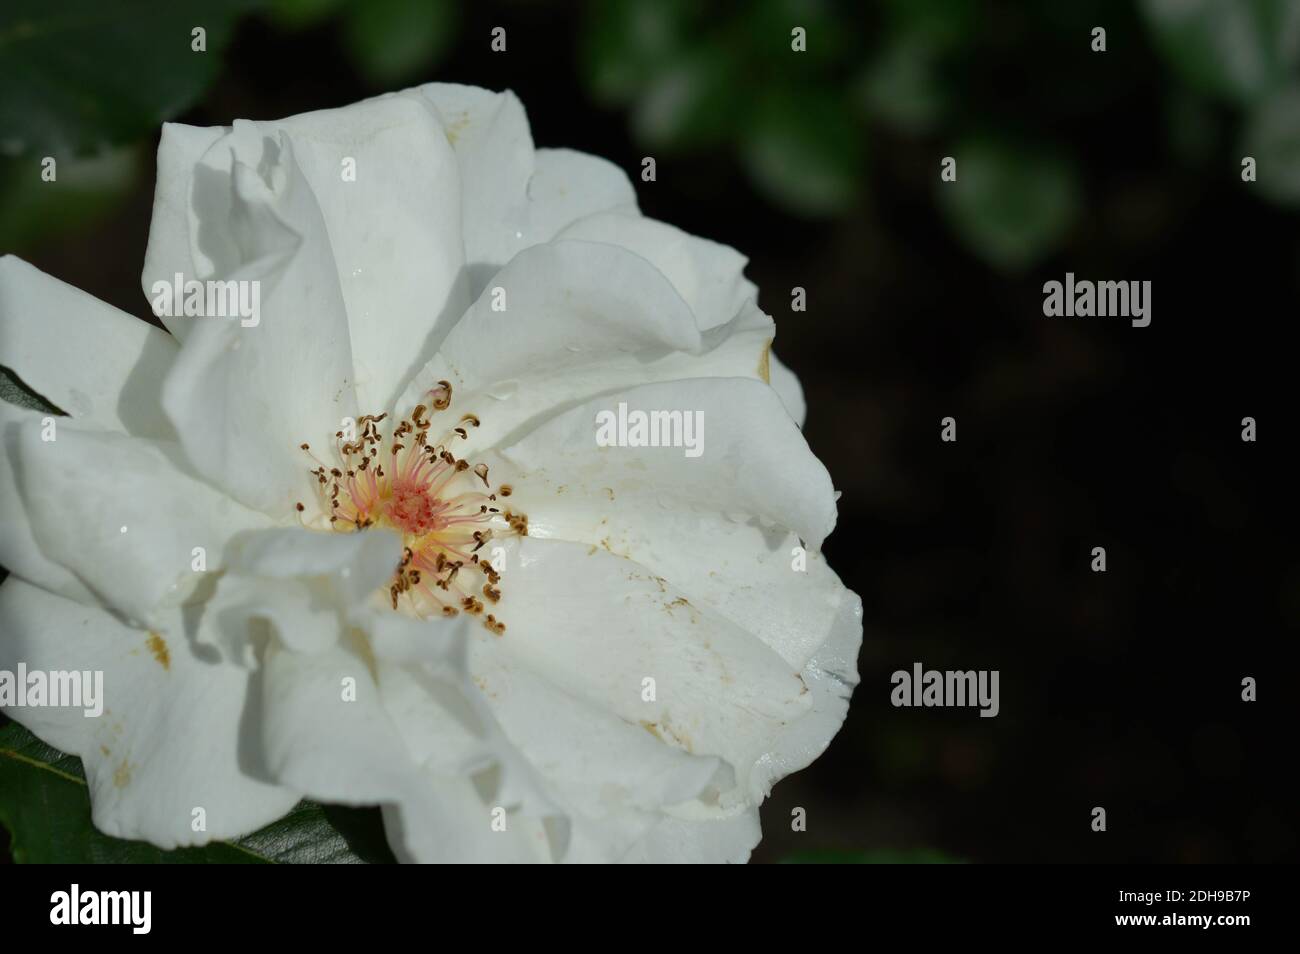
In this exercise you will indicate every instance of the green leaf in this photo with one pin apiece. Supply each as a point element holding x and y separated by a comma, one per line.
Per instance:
<point>692,102</point>
<point>902,88</point>
<point>625,43</point>
<point>920,856</point>
<point>944,24</point>
<point>1272,137</point>
<point>15,391</point>
<point>301,14</point>
<point>1011,204</point>
<point>1237,50</point>
<point>85,189</point>
<point>766,27</point>
<point>805,150</point>
<point>45,805</point>
<point>79,74</point>
<point>393,40</point>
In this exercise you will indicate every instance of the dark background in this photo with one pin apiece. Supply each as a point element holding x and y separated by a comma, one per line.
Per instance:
<point>1118,689</point>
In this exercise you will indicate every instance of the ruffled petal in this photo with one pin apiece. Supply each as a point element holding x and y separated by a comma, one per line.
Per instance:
<point>515,196</point>
<point>103,367</point>
<point>298,586</point>
<point>568,320</point>
<point>175,245</point>
<point>788,389</point>
<point>709,276</point>
<point>746,459</point>
<point>122,516</point>
<point>20,551</point>
<point>596,626</point>
<point>394,228</point>
<point>612,778</point>
<point>244,398</point>
<point>177,733</point>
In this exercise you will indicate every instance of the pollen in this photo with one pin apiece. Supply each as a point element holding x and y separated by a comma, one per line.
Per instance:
<point>395,475</point>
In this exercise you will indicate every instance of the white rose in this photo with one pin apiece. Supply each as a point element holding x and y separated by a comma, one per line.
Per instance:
<point>644,657</point>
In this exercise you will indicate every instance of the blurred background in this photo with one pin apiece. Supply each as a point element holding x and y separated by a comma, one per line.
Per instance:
<point>924,300</point>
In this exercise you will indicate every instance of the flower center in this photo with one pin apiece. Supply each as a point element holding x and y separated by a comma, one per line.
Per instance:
<point>444,508</point>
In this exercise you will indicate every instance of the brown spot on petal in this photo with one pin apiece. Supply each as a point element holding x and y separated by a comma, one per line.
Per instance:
<point>158,646</point>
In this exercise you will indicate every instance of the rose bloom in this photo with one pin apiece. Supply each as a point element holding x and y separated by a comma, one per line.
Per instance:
<point>366,548</point>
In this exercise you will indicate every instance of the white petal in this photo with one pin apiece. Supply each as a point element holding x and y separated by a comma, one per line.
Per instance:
<point>119,513</point>
<point>244,398</point>
<point>297,585</point>
<point>831,674</point>
<point>709,277</point>
<point>678,841</point>
<point>98,364</point>
<point>611,777</point>
<point>786,385</point>
<point>20,552</point>
<point>749,461</point>
<point>717,526</point>
<point>451,823</point>
<point>468,769</point>
<point>176,733</point>
<point>324,731</point>
<point>514,196</point>
<point>425,684</point>
<point>175,240</point>
<point>595,626</point>
<point>580,318</point>
<point>568,185</point>
<point>575,297</point>
<point>395,230</point>
<point>494,151</point>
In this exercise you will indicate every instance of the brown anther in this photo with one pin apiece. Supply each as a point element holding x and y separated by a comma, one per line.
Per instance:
<point>491,592</point>
<point>300,507</point>
<point>505,490</point>
<point>481,470</point>
<point>471,418</point>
